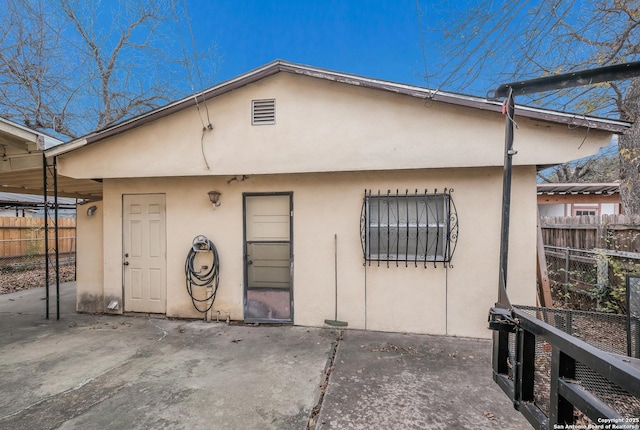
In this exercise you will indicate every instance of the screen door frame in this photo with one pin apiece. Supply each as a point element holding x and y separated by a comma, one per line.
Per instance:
<point>248,317</point>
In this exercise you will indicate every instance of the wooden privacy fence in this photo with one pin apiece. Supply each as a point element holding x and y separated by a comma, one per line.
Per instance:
<point>22,239</point>
<point>616,232</point>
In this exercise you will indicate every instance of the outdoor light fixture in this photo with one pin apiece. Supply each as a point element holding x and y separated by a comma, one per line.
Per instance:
<point>91,210</point>
<point>214,196</point>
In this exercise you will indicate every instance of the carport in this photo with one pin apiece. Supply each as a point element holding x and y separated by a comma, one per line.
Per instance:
<point>25,169</point>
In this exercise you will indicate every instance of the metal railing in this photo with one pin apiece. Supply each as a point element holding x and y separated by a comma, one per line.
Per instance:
<point>590,279</point>
<point>556,379</point>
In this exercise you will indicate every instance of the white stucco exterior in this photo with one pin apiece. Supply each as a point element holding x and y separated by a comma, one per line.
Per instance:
<point>329,143</point>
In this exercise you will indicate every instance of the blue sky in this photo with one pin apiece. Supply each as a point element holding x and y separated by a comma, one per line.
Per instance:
<point>377,38</point>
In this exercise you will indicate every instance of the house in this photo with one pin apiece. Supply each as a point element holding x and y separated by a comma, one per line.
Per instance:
<point>567,199</point>
<point>326,195</point>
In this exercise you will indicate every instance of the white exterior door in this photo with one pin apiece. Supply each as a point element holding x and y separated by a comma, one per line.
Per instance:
<point>144,253</point>
<point>268,258</point>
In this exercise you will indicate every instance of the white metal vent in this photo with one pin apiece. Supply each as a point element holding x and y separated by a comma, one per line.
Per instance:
<point>263,112</point>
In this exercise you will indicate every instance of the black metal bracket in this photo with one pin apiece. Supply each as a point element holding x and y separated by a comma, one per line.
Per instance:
<point>500,319</point>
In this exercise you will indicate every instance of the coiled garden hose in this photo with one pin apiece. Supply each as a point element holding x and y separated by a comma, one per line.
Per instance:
<point>198,278</point>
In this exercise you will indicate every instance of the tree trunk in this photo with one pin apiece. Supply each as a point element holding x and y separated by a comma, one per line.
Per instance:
<point>629,150</point>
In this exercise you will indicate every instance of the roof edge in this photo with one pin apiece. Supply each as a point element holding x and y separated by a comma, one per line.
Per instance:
<point>42,140</point>
<point>575,188</point>
<point>276,66</point>
<point>65,147</point>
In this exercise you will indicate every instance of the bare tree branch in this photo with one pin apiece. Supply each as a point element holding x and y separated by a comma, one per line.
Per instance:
<point>534,38</point>
<point>65,71</point>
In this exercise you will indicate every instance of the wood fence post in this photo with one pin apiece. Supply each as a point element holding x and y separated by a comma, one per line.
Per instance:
<point>602,263</point>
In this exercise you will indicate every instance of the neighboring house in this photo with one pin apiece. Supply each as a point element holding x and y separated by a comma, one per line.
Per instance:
<point>567,199</point>
<point>389,194</point>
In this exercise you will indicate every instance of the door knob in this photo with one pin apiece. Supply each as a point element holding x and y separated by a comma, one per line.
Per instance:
<point>126,263</point>
<point>250,262</point>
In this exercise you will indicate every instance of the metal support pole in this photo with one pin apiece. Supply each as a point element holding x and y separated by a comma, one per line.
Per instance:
<point>46,234</point>
<point>602,264</point>
<point>57,238</point>
<point>566,276</point>
<point>503,299</point>
<point>572,79</point>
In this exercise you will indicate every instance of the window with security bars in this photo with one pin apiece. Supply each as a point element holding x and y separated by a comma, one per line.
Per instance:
<point>418,227</point>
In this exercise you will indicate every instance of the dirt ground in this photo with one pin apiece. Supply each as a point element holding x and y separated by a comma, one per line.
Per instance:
<point>14,279</point>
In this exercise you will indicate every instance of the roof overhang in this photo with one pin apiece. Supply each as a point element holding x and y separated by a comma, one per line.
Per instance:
<point>20,147</point>
<point>578,193</point>
<point>574,120</point>
<point>21,165</point>
<point>607,188</point>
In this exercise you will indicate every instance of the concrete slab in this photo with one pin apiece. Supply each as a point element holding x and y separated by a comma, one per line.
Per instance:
<point>106,372</point>
<point>113,372</point>
<point>391,380</point>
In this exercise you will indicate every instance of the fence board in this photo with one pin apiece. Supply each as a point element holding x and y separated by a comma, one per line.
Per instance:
<point>24,237</point>
<point>619,232</point>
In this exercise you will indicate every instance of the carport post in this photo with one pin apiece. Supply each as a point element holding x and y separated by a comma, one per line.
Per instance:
<point>56,231</point>
<point>46,233</point>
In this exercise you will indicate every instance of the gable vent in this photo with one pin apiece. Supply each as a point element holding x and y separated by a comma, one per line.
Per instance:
<point>263,112</point>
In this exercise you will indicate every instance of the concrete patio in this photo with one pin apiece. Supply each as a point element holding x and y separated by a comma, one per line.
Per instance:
<point>142,372</point>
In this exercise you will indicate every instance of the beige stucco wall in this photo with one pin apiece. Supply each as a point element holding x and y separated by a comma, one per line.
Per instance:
<point>315,121</point>
<point>434,300</point>
<point>89,259</point>
<point>331,141</point>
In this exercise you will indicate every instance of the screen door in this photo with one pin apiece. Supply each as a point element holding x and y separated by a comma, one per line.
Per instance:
<point>268,260</point>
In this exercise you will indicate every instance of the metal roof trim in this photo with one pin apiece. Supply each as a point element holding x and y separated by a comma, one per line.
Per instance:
<point>607,188</point>
<point>576,120</point>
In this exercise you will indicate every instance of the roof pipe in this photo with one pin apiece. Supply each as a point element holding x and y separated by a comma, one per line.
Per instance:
<point>568,80</point>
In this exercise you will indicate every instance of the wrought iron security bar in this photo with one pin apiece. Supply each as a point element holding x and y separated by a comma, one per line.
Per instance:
<point>418,227</point>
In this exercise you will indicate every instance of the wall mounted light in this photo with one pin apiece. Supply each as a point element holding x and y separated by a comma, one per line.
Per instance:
<point>91,210</point>
<point>214,196</point>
